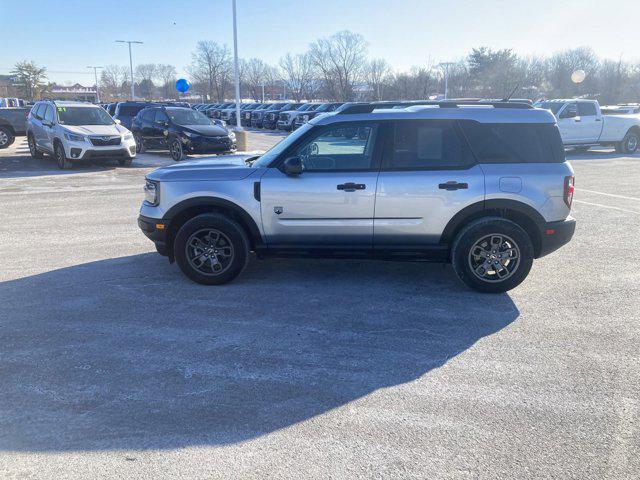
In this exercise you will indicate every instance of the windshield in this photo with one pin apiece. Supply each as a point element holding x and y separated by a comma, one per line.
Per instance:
<point>553,106</point>
<point>83,116</point>
<point>185,116</point>
<point>271,154</point>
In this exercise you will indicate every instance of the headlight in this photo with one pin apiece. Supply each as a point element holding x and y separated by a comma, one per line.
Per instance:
<point>232,135</point>
<point>72,137</point>
<point>128,136</point>
<point>152,192</point>
<point>221,123</point>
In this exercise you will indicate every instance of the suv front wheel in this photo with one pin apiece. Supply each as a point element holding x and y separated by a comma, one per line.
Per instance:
<point>61,158</point>
<point>211,249</point>
<point>175,149</point>
<point>492,255</point>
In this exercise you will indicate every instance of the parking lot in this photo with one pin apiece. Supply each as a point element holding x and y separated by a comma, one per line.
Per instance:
<point>114,365</point>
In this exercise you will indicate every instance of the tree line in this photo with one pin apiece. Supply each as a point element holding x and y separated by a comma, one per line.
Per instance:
<point>339,68</point>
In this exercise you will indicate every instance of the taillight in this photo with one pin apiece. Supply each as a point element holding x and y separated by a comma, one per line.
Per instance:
<point>569,187</point>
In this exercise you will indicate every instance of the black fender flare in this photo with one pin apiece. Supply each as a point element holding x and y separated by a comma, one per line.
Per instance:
<point>203,204</point>
<point>529,218</point>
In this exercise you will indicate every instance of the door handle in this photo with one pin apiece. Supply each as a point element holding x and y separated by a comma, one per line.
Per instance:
<point>453,185</point>
<point>351,187</point>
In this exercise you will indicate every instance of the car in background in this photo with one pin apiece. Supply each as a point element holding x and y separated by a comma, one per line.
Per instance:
<point>214,112</point>
<point>245,107</point>
<point>582,125</point>
<point>270,118</point>
<point>126,111</point>
<point>77,131</point>
<point>111,108</point>
<point>12,124</point>
<point>257,115</point>
<point>306,116</point>
<point>180,130</point>
<point>286,118</point>
<point>246,116</point>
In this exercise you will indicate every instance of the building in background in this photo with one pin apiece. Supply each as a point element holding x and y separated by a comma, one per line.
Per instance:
<point>73,92</point>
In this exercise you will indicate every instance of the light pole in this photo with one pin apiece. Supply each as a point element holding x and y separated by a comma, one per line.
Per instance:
<point>236,67</point>
<point>95,73</point>
<point>133,88</point>
<point>445,67</point>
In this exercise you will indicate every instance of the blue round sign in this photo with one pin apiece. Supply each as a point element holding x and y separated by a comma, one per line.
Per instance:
<point>182,85</point>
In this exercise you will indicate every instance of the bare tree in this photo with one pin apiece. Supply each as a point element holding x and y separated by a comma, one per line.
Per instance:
<point>211,64</point>
<point>340,60</point>
<point>256,75</point>
<point>378,77</point>
<point>113,82</point>
<point>298,75</point>
<point>166,74</point>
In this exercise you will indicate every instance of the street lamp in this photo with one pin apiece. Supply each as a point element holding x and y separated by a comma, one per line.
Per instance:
<point>445,67</point>
<point>95,73</point>
<point>133,88</point>
<point>236,67</point>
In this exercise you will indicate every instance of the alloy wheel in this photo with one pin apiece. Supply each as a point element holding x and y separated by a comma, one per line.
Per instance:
<point>4,138</point>
<point>632,143</point>
<point>176,150</point>
<point>209,251</point>
<point>32,146</point>
<point>494,258</point>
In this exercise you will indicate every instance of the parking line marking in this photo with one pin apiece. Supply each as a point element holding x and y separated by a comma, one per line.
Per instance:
<point>608,194</point>
<point>606,206</point>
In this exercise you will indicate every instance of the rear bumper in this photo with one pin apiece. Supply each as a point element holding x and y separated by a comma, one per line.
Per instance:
<point>556,234</point>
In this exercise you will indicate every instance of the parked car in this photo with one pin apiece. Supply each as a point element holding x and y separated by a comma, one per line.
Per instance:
<point>111,108</point>
<point>249,119</point>
<point>582,126</point>
<point>77,131</point>
<point>247,109</point>
<point>299,120</point>
<point>270,118</point>
<point>182,131</point>
<point>12,124</point>
<point>484,186</point>
<point>286,118</point>
<point>125,111</point>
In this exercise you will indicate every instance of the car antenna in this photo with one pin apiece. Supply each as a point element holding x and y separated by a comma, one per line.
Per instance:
<point>515,89</point>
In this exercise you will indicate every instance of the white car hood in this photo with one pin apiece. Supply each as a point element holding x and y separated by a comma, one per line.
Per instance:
<point>97,129</point>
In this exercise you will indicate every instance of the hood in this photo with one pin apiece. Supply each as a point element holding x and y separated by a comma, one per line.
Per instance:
<point>223,167</point>
<point>206,130</point>
<point>97,129</point>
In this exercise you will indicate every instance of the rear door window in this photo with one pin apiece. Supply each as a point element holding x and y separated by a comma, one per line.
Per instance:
<point>514,142</point>
<point>39,111</point>
<point>148,116</point>
<point>49,115</point>
<point>427,144</point>
<point>161,117</point>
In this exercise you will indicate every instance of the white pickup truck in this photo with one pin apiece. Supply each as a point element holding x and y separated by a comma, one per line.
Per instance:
<point>582,125</point>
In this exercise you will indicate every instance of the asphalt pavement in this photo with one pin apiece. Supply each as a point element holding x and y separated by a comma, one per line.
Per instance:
<point>114,365</point>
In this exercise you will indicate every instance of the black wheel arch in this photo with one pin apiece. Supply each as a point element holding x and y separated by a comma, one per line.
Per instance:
<point>8,127</point>
<point>180,213</point>
<point>524,215</point>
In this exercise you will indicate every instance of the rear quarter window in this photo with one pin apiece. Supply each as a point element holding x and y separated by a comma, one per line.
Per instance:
<point>514,142</point>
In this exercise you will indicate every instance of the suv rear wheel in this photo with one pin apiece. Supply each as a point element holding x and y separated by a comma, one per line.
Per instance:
<point>629,143</point>
<point>492,255</point>
<point>61,158</point>
<point>211,249</point>
<point>33,150</point>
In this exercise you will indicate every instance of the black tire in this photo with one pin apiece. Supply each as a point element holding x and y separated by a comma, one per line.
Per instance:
<point>61,158</point>
<point>517,255</point>
<point>232,235</point>
<point>630,142</point>
<point>140,146</point>
<point>125,162</point>
<point>175,149</point>
<point>6,137</point>
<point>33,150</point>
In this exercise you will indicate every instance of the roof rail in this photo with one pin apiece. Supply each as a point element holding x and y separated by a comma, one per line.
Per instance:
<point>353,108</point>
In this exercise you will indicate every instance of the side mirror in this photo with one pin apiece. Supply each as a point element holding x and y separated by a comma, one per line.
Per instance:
<point>117,120</point>
<point>292,166</point>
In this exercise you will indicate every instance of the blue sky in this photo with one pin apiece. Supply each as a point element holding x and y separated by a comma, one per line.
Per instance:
<point>66,36</point>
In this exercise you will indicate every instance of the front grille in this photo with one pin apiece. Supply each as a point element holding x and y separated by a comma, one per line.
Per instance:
<point>107,141</point>
<point>284,117</point>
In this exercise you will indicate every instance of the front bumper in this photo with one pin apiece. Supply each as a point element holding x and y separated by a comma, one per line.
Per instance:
<point>87,151</point>
<point>556,234</point>
<point>156,231</point>
<point>282,125</point>
<point>210,145</point>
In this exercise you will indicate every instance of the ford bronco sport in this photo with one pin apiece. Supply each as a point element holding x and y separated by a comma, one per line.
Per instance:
<point>482,185</point>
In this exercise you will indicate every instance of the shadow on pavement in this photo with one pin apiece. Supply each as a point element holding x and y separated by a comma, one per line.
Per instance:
<point>127,354</point>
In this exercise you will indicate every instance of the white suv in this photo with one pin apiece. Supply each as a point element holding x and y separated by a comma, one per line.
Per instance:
<point>76,131</point>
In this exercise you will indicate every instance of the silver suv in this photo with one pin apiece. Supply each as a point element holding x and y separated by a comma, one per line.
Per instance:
<point>77,131</point>
<point>482,185</point>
